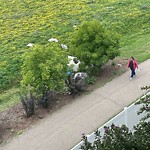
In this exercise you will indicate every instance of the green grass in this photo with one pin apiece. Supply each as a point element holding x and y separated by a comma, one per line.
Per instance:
<point>32,21</point>
<point>140,49</point>
<point>9,98</point>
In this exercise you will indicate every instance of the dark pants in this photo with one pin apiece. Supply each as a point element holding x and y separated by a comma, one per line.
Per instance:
<point>132,72</point>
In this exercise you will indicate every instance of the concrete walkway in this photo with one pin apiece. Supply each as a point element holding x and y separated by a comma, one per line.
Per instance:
<point>62,130</point>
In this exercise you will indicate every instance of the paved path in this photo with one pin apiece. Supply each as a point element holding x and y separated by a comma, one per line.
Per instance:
<point>62,130</point>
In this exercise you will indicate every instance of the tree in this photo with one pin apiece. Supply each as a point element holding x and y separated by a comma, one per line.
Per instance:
<point>145,100</point>
<point>142,130</point>
<point>120,138</point>
<point>44,68</point>
<point>115,138</point>
<point>94,45</point>
<point>142,135</point>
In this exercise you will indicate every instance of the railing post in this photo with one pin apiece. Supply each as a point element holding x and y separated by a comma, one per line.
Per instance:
<point>126,115</point>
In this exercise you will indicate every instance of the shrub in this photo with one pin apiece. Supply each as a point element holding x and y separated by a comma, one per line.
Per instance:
<point>28,103</point>
<point>77,82</point>
<point>47,97</point>
<point>45,68</point>
<point>94,45</point>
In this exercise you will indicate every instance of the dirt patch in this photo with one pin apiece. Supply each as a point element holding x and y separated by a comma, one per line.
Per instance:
<point>14,121</point>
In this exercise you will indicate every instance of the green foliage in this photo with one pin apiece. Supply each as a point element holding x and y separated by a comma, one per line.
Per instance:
<point>76,82</point>
<point>115,138</point>
<point>142,135</point>
<point>86,145</point>
<point>94,45</point>
<point>120,138</point>
<point>9,72</point>
<point>113,63</point>
<point>9,98</point>
<point>138,46</point>
<point>145,100</point>
<point>126,17</point>
<point>28,103</point>
<point>44,67</point>
<point>90,80</point>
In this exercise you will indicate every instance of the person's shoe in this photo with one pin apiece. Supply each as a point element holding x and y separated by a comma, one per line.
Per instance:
<point>131,78</point>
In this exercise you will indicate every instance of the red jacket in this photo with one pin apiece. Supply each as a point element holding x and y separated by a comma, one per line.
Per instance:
<point>135,64</point>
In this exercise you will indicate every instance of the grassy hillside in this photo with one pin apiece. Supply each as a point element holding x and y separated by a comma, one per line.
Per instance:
<point>140,48</point>
<point>32,21</point>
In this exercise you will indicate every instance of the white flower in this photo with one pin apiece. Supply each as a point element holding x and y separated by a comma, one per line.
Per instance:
<point>30,45</point>
<point>64,46</point>
<point>74,26</point>
<point>71,57</point>
<point>53,40</point>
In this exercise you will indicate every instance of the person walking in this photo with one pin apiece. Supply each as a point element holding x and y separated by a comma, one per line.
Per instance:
<point>133,65</point>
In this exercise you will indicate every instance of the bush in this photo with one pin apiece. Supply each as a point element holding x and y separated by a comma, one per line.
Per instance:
<point>120,138</point>
<point>47,97</point>
<point>28,103</point>
<point>94,45</point>
<point>91,80</point>
<point>45,68</point>
<point>77,82</point>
